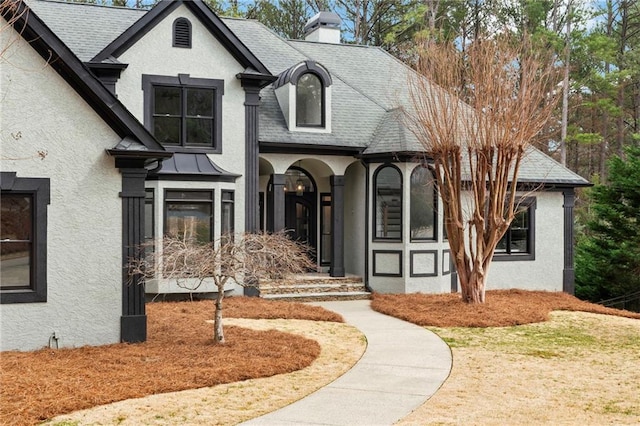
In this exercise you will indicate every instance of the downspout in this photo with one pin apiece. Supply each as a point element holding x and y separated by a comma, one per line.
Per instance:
<point>366,228</point>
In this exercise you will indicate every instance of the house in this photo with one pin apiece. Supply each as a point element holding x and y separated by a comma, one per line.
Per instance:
<point>177,120</point>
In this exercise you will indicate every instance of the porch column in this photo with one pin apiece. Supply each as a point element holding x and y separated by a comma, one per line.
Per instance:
<point>337,226</point>
<point>251,104</point>
<point>568,273</point>
<point>277,215</point>
<point>133,322</point>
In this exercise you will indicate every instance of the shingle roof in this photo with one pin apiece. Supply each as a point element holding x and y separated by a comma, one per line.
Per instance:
<point>369,85</point>
<point>85,28</point>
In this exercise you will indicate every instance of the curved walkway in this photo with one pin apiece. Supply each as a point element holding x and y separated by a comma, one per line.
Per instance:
<point>402,367</point>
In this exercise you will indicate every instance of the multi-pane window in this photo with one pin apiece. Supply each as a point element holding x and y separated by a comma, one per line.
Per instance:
<point>424,207</point>
<point>309,101</point>
<point>388,208</point>
<point>184,113</point>
<point>16,241</point>
<point>183,116</point>
<point>189,215</point>
<point>227,213</point>
<point>23,238</point>
<point>519,238</point>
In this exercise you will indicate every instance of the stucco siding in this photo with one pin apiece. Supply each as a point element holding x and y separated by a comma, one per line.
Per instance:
<point>545,272</point>
<point>40,112</point>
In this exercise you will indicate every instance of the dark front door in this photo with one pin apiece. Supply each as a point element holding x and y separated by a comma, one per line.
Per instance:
<point>300,218</point>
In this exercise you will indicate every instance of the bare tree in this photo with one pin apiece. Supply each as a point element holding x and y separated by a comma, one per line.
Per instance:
<point>11,11</point>
<point>243,259</point>
<point>477,145</point>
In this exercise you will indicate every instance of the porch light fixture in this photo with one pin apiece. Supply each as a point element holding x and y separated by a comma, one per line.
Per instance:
<point>299,187</point>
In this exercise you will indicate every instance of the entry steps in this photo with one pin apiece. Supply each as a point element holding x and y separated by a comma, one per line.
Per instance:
<point>315,287</point>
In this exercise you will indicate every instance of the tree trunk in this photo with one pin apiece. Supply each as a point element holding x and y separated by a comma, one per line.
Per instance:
<point>218,334</point>
<point>473,287</point>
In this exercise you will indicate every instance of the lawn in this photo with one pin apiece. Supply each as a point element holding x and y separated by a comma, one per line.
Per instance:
<point>496,362</point>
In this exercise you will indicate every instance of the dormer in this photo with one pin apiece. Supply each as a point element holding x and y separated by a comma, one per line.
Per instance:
<point>304,94</point>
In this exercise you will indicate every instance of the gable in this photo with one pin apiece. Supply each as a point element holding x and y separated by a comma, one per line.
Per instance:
<point>202,12</point>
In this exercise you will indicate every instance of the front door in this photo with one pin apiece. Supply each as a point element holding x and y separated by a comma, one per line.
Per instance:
<point>300,218</point>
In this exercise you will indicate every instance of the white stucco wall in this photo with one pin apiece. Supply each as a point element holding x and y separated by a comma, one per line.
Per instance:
<point>545,272</point>
<point>153,54</point>
<point>39,111</point>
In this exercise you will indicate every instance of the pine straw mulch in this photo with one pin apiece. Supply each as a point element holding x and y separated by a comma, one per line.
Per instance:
<point>179,354</point>
<point>502,308</point>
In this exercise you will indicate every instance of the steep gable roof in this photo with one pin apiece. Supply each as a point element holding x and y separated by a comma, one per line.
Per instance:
<point>60,58</point>
<point>209,19</point>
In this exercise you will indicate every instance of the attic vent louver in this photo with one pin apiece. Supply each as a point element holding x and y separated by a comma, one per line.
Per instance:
<point>182,33</point>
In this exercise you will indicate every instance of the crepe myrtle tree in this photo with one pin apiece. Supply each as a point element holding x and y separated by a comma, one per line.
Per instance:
<point>475,111</point>
<point>244,259</point>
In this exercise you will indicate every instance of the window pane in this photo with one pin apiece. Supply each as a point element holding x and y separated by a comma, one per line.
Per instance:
<point>199,131</point>
<point>519,241</point>
<point>15,264</point>
<point>148,216</point>
<point>191,221</point>
<point>189,195</point>
<point>167,130</point>
<point>167,100</point>
<point>388,203</point>
<point>16,217</point>
<point>227,213</point>
<point>200,102</point>
<point>422,204</point>
<point>309,101</point>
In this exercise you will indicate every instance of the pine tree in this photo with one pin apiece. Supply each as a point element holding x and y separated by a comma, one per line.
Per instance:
<point>608,254</point>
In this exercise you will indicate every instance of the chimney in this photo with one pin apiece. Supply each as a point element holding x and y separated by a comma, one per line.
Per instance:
<point>323,27</point>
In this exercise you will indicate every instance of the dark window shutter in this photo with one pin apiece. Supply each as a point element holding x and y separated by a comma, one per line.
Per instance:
<point>182,33</point>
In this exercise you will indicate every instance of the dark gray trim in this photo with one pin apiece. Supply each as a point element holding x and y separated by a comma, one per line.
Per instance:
<point>149,81</point>
<point>446,265</point>
<point>287,148</point>
<point>181,37</point>
<point>454,277</point>
<point>435,263</point>
<point>208,18</point>
<point>39,189</point>
<point>252,153</point>
<point>278,214</point>
<point>367,206</point>
<point>384,274</point>
<point>375,200</point>
<point>531,204</point>
<point>293,74</point>
<point>107,73</point>
<point>60,58</point>
<point>337,226</point>
<point>435,206</point>
<point>133,323</point>
<point>568,273</point>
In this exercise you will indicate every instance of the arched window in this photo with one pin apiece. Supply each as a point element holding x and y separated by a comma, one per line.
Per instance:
<point>182,33</point>
<point>388,210</point>
<point>424,204</point>
<point>309,101</point>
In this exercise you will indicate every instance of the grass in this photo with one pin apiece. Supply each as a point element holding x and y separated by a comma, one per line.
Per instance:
<point>179,354</point>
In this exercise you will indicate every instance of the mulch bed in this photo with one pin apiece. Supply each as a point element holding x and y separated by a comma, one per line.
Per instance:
<point>502,308</point>
<point>179,354</point>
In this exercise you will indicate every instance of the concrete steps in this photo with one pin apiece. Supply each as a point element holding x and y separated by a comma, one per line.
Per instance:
<point>315,287</point>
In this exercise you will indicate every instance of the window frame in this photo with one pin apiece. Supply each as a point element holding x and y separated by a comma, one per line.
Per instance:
<point>435,205</point>
<point>375,204</point>
<point>232,212</point>
<point>323,112</point>
<point>528,204</point>
<point>210,201</point>
<point>39,190</point>
<point>183,82</point>
<point>174,39</point>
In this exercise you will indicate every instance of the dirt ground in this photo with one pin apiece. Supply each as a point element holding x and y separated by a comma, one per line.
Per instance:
<point>484,381</point>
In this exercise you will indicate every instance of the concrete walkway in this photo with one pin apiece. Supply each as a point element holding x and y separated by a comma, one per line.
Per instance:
<point>402,367</point>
